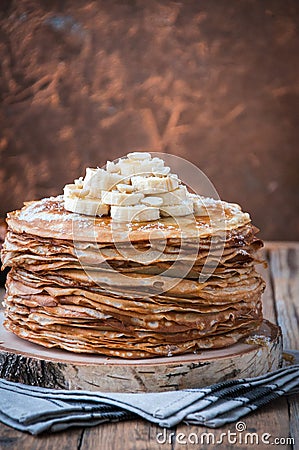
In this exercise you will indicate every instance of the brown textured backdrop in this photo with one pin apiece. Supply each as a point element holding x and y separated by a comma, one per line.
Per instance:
<point>214,81</point>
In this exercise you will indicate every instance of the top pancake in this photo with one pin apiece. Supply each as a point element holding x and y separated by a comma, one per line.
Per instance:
<point>48,218</point>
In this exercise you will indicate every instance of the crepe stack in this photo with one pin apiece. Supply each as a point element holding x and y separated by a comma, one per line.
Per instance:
<point>3,228</point>
<point>76,282</point>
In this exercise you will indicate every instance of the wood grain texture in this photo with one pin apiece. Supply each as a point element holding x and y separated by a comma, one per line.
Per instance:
<point>269,311</point>
<point>13,439</point>
<point>133,435</point>
<point>214,82</point>
<point>294,417</point>
<point>273,419</point>
<point>284,267</point>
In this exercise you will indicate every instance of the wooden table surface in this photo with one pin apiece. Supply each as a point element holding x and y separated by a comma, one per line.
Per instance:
<point>277,424</point>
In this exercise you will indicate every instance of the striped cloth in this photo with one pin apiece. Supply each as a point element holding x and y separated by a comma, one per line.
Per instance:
<point>35,409</point>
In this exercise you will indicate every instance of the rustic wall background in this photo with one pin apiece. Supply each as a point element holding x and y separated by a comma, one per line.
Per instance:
<point>215,82</point>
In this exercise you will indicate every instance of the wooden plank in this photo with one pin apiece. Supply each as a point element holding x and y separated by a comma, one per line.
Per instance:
<point>272,245</point>
<point>272,419</point>
<point>284,272</point>
<point>294,418</point>
<point>269,311</point>
<point>66,440</point>
<point>132,435</point>
<point>284,267</point>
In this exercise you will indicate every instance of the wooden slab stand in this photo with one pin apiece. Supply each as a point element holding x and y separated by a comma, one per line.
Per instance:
<point>22,361</point>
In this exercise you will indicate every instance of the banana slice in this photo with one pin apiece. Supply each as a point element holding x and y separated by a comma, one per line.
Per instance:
<point>129,167</point>
<point>154,185</point>
<point>184,209</point>
<point>111,167</point>
<point>137,213</point>
<point>152,201</point>
<point>73,190</point>
<point>69,189</point>
<point>79,182</point>
<point>199,206</point>
<point>127,188</point>
<point>139,156</point>
<point>161,171</point>
<point>87,206</point>
<point>97,180</point>
<point>174,197</point>
<point>121,198</point>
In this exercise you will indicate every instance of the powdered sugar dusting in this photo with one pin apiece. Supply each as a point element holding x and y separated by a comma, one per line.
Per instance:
<point>50,209</point>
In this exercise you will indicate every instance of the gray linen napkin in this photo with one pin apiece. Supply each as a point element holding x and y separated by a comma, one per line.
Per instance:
<point>35,409</point>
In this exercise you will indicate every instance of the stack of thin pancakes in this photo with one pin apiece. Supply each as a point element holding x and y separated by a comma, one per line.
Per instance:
<point>3,229</point>
<point>76,284</point>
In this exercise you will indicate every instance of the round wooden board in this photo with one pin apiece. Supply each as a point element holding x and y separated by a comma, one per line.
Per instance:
<point>22,361</point>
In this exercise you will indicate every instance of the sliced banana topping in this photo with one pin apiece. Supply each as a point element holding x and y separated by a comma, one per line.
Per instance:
<point>145,167</point>
<point>134,188</point>
<point>137,213</point>
<point>72,190</point>
<point>174,197</point>
<point>128,188</point>
<point>98,179</point>
<point>152,201</point>
<point>87,206</point>
<point>184,209</point>
<point>121,198</point>
<point>154,184</point>
<point>199,206</point>
<point>69,188</point>
<point>111,167</point>
<point>161,171</point>
<point>139,156</point>
<point>79,182</point>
